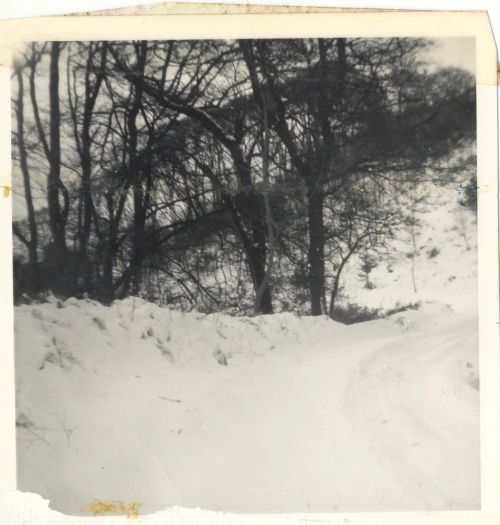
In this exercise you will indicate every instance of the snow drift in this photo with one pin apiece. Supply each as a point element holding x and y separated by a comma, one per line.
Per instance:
<point>272,414</point>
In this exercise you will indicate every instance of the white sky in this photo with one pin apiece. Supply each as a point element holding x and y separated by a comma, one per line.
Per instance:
<point>456,52</point>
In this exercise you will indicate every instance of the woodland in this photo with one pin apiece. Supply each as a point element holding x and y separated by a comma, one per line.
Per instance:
<point>226,176</point>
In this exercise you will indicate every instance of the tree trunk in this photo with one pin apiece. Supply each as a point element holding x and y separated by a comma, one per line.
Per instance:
<point>56,215</point>
<point>263,286</point>
<point>263,300</point>
<point>91,93</point>
<point>32,244</point>
<point>136,172</point>
<point>335,288</point>
<point>107,292</point>
<point>316,252</point>
<point>256,251</point>
<point>85,187</point>
<point>254,243</point>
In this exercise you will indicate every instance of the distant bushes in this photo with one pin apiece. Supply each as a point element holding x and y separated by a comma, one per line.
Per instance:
<point>73,279</point>
<point>354,313</point>
<point>469,192</point>
<point>402,308</point>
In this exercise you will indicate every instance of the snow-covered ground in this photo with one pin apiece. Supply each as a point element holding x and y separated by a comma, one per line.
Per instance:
<point>140,403</point>
<point>442,267</point>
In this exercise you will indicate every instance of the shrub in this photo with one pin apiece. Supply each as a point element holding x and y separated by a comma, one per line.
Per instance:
<point>402,308</point>
<point>469,190</point>
<point>354,313</point>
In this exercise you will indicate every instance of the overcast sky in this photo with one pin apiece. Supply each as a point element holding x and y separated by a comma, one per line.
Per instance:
<point>456,52</point>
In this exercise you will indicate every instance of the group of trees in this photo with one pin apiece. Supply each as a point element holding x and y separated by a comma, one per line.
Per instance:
<point>223,175</point>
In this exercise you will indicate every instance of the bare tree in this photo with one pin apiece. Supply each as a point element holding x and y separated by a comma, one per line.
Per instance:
<point>30,241</point>
<point>83,120</point>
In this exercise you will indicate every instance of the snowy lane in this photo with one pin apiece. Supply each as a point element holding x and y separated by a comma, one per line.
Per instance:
<point>415,401</point>
<point>370,425</point>
<point>308,414</point>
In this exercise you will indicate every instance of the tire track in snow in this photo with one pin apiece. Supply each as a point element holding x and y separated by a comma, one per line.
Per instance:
<point>418,417</point>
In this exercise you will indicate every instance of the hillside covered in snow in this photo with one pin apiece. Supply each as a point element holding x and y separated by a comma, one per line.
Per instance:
<point>277,413</point>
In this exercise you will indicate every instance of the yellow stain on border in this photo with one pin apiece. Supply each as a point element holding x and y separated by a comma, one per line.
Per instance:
<point>6,191</point>
<point>130,510</point>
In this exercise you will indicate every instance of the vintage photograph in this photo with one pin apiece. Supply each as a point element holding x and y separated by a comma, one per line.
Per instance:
<point>245,274</point>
